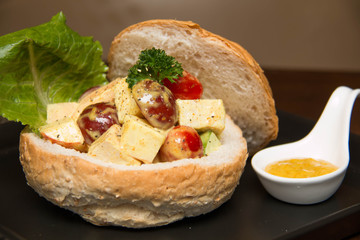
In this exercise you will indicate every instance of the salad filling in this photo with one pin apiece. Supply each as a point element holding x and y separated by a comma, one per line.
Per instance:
<point>138,120</point>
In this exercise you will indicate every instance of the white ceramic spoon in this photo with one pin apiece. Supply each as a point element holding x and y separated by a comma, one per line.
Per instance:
<point>328,140</point>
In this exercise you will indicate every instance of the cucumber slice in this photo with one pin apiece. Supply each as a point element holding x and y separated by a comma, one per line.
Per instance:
<point>210,142</point>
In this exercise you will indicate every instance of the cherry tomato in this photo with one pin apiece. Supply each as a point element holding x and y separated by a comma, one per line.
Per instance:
<point>156,103</point>
<point>185,87</point>
<point>96,119</point>
<point>181,142</point>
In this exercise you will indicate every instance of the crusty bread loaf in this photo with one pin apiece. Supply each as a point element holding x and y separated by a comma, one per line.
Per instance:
<point>134,196</point>
<point>226,70</point>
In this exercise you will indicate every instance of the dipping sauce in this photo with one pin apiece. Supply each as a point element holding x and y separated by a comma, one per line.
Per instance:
<point>300,168</point>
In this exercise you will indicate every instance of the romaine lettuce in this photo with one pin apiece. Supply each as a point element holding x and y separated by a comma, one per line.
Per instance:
<point>49,63</point>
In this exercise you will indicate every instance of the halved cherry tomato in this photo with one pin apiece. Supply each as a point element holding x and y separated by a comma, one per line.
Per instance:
<point>185,87</point>
<point>181,142</point>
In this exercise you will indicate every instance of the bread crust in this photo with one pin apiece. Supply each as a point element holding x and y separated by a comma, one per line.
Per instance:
<point>133,196</point>
<point>266,129</point>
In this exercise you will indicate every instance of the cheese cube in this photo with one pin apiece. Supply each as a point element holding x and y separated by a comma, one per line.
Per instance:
<point>202,114</point>
<point>124,101</point>
<point>107,148</point>
<point>140,140</point>
<point>58,111</point>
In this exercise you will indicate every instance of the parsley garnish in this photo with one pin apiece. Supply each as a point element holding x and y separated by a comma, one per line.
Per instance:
<point>154,64</point>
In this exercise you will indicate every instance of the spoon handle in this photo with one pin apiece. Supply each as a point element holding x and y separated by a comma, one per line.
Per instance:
<point>332,128</point>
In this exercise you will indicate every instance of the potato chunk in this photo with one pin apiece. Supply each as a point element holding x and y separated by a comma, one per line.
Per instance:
<point>58,111</point>
<point>140,140</point>
<point>202,114</point>
<point>124,101</point>
<point>107,148</point>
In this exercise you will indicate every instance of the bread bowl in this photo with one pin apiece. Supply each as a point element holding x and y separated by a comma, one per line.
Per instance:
<point>106,193</point>
<point>134,196</point>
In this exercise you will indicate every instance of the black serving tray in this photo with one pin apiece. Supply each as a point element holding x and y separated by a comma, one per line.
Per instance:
<point>250,214</point>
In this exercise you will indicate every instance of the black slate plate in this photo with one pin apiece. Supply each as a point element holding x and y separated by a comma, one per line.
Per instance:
<point>250,214</point>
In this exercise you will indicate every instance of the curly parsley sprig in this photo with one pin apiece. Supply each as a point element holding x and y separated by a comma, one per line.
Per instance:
<point>154,64</point>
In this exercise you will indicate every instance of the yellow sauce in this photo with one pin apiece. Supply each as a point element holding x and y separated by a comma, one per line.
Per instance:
<point>300,168</point>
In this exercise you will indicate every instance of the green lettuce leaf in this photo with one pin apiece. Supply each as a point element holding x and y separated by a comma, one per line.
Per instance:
<point>49,63</point>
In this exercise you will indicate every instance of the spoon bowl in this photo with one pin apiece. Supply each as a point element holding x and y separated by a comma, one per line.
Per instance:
<point>328,140</point>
